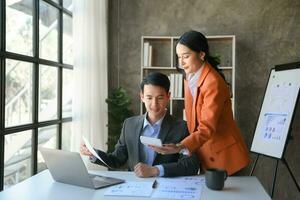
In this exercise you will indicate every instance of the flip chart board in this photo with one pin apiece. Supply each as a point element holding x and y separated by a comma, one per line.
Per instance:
<point>277,110</point>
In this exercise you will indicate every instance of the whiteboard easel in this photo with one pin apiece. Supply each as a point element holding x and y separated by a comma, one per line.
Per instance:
<point>273,128</point>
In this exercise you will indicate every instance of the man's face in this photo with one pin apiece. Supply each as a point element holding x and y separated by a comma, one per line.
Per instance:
<point>155,99</point>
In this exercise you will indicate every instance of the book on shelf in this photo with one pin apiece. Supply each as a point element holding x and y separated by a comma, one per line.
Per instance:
<point>150,56</point>
<point>176,85</point>
<point>180,83</point>
<point>172,83</point>
<point>146,52</point>
<point>183,115</point>
<point>147,61</point>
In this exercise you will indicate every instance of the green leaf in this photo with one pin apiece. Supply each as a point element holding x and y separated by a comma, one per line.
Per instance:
<point>118,110</point>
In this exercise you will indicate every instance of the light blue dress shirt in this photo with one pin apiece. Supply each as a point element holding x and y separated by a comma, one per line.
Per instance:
<point>150,130</point>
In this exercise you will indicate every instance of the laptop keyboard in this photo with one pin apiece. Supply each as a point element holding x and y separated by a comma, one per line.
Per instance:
<point>101,181</point>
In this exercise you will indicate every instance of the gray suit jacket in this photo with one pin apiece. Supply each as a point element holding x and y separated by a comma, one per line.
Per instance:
<point>128,147</point>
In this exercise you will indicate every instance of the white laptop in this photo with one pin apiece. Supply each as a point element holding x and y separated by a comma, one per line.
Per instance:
<point>68,167</point>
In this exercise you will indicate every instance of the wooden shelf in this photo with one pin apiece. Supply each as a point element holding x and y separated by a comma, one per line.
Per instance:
<point>157,67</point>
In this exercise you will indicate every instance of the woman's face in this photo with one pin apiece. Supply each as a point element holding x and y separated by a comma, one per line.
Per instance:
<point>188,60</point>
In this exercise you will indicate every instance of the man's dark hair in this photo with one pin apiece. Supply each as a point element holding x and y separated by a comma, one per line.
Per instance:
<point>157,79</point>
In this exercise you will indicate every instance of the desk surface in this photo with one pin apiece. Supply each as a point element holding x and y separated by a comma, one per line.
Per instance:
<point>42,186</point>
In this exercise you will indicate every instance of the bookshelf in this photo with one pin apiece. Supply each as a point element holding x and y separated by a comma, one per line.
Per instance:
<point>158,54</point>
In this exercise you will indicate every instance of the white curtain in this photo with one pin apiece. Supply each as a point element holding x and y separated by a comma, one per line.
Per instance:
<point>90,73</point>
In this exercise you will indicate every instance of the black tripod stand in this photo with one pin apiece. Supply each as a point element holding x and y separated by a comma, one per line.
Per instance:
<point>283,160</point>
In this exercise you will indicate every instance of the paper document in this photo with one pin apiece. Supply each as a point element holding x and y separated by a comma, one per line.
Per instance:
<point>183,188</point>
<point>91,149</point>
<point>150,141</point>
<point>131,188</point>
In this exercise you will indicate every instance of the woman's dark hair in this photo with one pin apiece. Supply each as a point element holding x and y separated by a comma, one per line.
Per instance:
<point>197,42</point>
<point>157,79</point>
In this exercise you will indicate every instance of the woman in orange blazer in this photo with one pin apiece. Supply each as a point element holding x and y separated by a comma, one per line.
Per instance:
<point>214,134</point>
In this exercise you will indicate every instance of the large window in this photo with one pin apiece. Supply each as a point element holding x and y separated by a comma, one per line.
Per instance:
<point>36,76</point>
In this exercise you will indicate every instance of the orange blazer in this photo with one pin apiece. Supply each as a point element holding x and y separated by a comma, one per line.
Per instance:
<point>214,134</point>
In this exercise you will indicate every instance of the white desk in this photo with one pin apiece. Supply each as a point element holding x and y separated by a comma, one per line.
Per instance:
<point>42,186</point>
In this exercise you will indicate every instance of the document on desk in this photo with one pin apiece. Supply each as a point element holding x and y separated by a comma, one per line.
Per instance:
<point>184,188</point>
<point>131,188</point>
<point>91,149</point>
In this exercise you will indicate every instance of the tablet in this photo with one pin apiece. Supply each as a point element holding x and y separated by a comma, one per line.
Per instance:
<point>150,141</point>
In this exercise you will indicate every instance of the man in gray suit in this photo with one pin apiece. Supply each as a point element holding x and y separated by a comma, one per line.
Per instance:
<point>157,123</point>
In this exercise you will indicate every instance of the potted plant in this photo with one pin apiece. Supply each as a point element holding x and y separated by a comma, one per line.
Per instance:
<point>118,110</point>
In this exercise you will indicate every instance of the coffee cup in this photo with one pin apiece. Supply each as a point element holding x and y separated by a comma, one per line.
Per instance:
<point>215,178</point>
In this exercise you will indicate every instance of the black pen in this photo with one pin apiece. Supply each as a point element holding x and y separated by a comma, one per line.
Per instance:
<point>154,184</point>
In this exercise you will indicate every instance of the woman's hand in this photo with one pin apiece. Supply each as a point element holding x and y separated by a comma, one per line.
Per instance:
<point>84,150</point>
<point>167,148</point>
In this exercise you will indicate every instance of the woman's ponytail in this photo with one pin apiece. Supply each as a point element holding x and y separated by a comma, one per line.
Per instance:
<point>214,61</point>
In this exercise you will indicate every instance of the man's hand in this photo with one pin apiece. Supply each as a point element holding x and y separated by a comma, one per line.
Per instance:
<point>84,150</point>
<point>143,170</point>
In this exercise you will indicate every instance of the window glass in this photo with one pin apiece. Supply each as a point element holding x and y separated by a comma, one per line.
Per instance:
<point>68,4</point>
<point>18,93</point>
<point>67,40</point>
<point>17,158</point>
<point>67,137</point>
<point>67,92</point>
<point>48,25</point>
<point>19,26</point>
<point>48,78</point>
<point>47,137</point>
